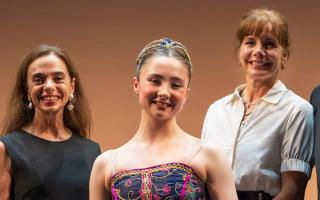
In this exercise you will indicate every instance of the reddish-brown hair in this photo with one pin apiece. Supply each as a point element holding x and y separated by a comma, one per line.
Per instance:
<point>254,22</point>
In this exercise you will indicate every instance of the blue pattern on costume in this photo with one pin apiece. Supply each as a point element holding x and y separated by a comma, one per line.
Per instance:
<point>167,181</point>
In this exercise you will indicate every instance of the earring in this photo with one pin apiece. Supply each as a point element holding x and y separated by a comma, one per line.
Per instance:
<point>283,64</point>
<point>70,106</point>
<point>30,105</point>
<point>239,63</point>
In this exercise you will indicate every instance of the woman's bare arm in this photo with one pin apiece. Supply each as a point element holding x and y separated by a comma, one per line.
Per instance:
<point>100,178</point>
<point>5,176</point>
<point>293,186</point>
<point>220,182</point>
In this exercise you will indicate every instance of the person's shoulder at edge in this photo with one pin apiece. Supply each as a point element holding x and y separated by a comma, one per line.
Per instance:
<point>11,134</point>
<point>300,102</point>
<point>315,96</point>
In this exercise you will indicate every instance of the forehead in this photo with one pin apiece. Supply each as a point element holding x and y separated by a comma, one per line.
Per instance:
<point>261,28</point>
<point>265,32</point>
<point>47,64</point>
<point>258,28</point>
<point>165,66</point>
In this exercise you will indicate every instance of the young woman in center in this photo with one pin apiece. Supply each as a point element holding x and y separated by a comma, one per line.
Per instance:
<point>162,161</point>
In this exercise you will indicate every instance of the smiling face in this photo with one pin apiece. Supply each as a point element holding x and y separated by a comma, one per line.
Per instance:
<point>162,87</point>
<point>49,84</point>
<point>261,56</point>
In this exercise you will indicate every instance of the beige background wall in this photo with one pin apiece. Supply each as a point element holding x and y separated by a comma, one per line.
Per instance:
<point>104,38</point>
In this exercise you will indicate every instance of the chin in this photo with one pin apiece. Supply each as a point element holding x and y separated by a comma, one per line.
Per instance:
<point>260,77</point>
<point>161,116</point>
<point>51,111</point>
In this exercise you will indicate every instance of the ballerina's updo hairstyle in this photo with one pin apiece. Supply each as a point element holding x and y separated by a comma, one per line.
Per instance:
<point>255,21</point>
<point>164,47</point>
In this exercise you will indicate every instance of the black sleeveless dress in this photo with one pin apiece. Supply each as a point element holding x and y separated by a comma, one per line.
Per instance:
<point>43,169</point>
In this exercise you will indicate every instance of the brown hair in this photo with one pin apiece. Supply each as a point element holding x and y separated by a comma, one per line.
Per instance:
<point>164,47</point>
<point>18,114</point>
<point>254,22</point>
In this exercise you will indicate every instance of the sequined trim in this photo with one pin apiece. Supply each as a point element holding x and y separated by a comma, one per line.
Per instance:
<point>146,192</point>
<point>148,170</point>
<point>166,181</point>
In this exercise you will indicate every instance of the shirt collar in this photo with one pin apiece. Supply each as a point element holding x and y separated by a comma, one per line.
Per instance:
<point>273,95</point>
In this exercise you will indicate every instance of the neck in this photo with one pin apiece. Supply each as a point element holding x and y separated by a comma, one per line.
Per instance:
<point>48,126</point>
<point>255,90</point>
<point>154,130</point>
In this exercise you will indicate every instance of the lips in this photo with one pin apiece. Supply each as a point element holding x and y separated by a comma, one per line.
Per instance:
<point>257,63</point>
<point>50,98</point>
<point>162,103</point>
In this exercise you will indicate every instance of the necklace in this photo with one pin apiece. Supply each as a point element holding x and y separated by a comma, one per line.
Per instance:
<point>245,101</point>
<point>248,107</point>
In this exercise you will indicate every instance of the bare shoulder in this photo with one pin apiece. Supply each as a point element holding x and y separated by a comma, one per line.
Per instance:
<point>104,160</point>
<point>3,152</point>
<point>212,149</point>
<point>207,148</point>
<point>216,171</point>
<point>213,154</point>
<point>5,161</point>
<point>101,173</point>
<point>2,147</point>
<point>192,140</point>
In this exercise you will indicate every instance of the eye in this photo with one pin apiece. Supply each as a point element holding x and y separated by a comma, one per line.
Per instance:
<point>176,85</point>
<point>271,44</point>
<point>155,81</point>
<point>59,78</point>
<point>250,42</point>
<point>38,80</point>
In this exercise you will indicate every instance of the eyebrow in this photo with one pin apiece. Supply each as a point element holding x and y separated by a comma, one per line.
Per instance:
<point>175,79</point>
<point>249,36</point>
<point>41,74</point>
<point>51,73</point>
<point>271,39</point>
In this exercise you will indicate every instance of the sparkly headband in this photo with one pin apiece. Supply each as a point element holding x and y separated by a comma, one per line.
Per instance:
<point>167,43</point>
<point>164,43</point>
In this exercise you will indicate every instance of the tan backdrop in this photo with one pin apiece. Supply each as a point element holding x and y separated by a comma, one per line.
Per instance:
<point>104,37</point>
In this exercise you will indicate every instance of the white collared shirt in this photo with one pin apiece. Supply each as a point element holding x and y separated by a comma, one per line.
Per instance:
<point>276,137</point>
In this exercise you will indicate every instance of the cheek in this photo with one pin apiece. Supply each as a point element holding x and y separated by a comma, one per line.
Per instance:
<point>275,57</point>
<point>146,93</point>
<point>180,96</point>
<point>147,89</point>
<point>35,92</point>
<point>244,53</point>
<point>64,90</point>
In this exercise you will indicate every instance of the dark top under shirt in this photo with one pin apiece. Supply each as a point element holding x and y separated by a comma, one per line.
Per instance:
<point>43,169</point>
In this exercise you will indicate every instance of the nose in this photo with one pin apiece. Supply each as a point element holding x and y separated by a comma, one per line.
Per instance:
<point>259,50</point>
<point>164,92</point>
<point>49,84</point>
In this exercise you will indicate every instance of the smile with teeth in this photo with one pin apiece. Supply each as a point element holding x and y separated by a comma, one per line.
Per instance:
<point>258,63</point>
<point>162,103</point>
<point>49,98</point>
